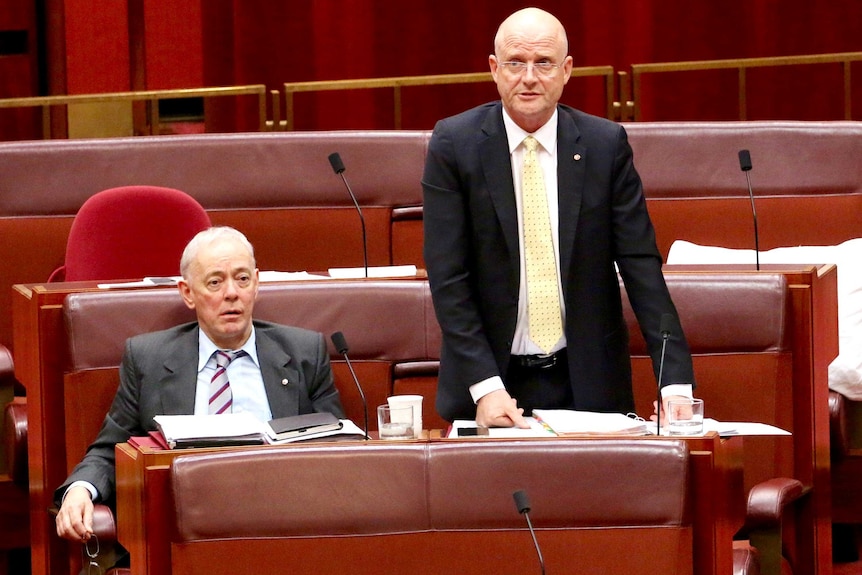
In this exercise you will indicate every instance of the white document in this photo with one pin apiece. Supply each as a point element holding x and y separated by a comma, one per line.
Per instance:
<point>373,272</point>
<point>725,428</point>
<point>732,428</point>
<point>567,421</point>
<point>146,282</point>
<point>274,276</point>
<point>536,429</point>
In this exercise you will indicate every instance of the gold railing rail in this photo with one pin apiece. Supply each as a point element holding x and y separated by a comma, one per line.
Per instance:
<point>152,97</point>
<point>397,83</point>
<point>633,97</point>
<point>626,85</point>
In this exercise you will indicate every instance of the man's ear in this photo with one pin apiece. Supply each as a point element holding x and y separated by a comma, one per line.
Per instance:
<point>568,63</point>
<point>493,65</point>
<point>186,293</point>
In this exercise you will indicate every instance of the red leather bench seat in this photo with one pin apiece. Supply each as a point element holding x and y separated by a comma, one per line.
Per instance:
<point>435,507</point>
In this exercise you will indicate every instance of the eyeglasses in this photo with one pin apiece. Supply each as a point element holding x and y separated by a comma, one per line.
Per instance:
<point>90,548</point>
<point>539,68</point>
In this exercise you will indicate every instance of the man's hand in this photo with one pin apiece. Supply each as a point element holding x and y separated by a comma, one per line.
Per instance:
<point>664,408</point>
<point>75,518</point>
<point>498,409</point>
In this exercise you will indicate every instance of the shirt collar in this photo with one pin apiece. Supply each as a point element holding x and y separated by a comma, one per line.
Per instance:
<point>546,135</point>
<point>206,348</point>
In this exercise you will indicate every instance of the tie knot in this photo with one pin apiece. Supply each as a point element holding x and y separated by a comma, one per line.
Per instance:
<point>530,143</point>
<point>224,357</point>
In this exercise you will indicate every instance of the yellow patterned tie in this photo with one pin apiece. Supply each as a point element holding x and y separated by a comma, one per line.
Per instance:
<point>543,296</point>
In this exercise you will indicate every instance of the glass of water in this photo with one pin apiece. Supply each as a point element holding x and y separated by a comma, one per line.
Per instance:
<point>395,421</point>
<point>685,417</point>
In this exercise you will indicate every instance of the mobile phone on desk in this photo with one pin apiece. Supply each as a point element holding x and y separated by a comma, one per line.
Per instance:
<point>472,431</point>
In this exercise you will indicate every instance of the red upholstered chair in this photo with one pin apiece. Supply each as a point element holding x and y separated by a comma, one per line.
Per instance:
<point>130,232</point>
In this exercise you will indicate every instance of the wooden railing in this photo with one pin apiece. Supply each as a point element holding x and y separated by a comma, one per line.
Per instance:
<point>150,97</point>
<point>631,98</point>
<point>627,86</point>
<point>397,83</point>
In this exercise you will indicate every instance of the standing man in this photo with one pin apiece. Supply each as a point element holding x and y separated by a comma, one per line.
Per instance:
<point>528,206</point>
<point>274,371</point>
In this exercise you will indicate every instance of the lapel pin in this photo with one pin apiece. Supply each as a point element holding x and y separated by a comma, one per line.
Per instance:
<point>577,157</point>
<point>284,382</point>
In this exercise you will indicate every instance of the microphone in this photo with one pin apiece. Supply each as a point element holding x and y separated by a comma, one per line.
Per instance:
<point>341,346</point>
<point>665,328</point>
<point>745,166</point>
<point>338,168</point>
<point>523,506</point>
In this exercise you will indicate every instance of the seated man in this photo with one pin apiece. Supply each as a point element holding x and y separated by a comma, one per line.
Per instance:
<point>279,370</point>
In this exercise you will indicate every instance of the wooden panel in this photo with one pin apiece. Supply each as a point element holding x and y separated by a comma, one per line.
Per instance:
<point>41,243</point>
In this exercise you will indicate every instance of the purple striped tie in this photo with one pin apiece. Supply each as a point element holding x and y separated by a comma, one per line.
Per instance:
<point>221,397</point>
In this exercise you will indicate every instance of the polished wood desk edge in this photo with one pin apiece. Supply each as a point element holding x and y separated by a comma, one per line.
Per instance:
<point>65,288</point>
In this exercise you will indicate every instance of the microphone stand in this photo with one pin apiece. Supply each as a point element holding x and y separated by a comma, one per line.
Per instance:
<point>745,166</point>
<point>754,215</point>
<point>522,503</point>
<point>658,406</point>
<point>338,168</point>
<point>665,327</point>
<point>340,343</point>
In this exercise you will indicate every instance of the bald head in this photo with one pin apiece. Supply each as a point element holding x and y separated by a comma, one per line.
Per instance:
<point>531,23</point>
<point>528,38</point>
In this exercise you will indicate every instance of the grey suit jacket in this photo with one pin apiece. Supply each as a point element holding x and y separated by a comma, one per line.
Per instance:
<point>471,253</point>
<point>158,376</point>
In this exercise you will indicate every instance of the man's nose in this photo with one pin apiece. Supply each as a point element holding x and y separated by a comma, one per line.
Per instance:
<point>530,73</point>
<point>231,290</point>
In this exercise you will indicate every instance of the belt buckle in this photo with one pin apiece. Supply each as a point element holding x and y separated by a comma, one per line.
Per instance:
<point>539,362</point>
<point>547,362</point>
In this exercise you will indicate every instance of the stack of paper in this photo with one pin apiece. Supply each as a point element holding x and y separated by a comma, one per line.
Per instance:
<point>568,422</point>
<point>227,429</point>
<point>183,431</point>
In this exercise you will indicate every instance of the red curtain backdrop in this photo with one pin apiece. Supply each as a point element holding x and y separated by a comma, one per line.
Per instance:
<point>191,43</point>
<point>302,40</point>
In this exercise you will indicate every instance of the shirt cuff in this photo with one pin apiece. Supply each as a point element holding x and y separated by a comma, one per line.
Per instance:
<point>94,493</point>
<point>683,389</point>
<point>486,386</point>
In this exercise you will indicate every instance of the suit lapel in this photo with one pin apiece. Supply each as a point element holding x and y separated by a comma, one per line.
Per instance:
<point>179,382</point>
<point>571,171</point>
<point>280,376</point>
<point>497,167</point>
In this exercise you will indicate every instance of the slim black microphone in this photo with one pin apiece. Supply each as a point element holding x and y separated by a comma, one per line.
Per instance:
<point>341,346</point>
<point>523,506</point>
<point>665,328</point>
<point>338,168</point>
<point>745,166</point>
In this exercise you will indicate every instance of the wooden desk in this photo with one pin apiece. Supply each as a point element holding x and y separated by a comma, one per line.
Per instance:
<point>144,502</point>
<point>40,356</point>
<point>806,456</point>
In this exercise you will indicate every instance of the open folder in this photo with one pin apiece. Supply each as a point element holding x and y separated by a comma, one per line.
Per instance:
<point>569,422</point>
<point>229,429</point>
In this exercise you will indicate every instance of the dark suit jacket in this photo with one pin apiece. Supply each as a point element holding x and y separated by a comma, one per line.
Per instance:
<point>471,253</point>
<point>158,376</point>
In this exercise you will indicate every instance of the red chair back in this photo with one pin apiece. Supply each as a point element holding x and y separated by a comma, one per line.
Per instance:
<point>131,232</point>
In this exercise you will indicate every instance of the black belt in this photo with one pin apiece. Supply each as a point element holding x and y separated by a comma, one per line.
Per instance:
<point>539,361</point>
